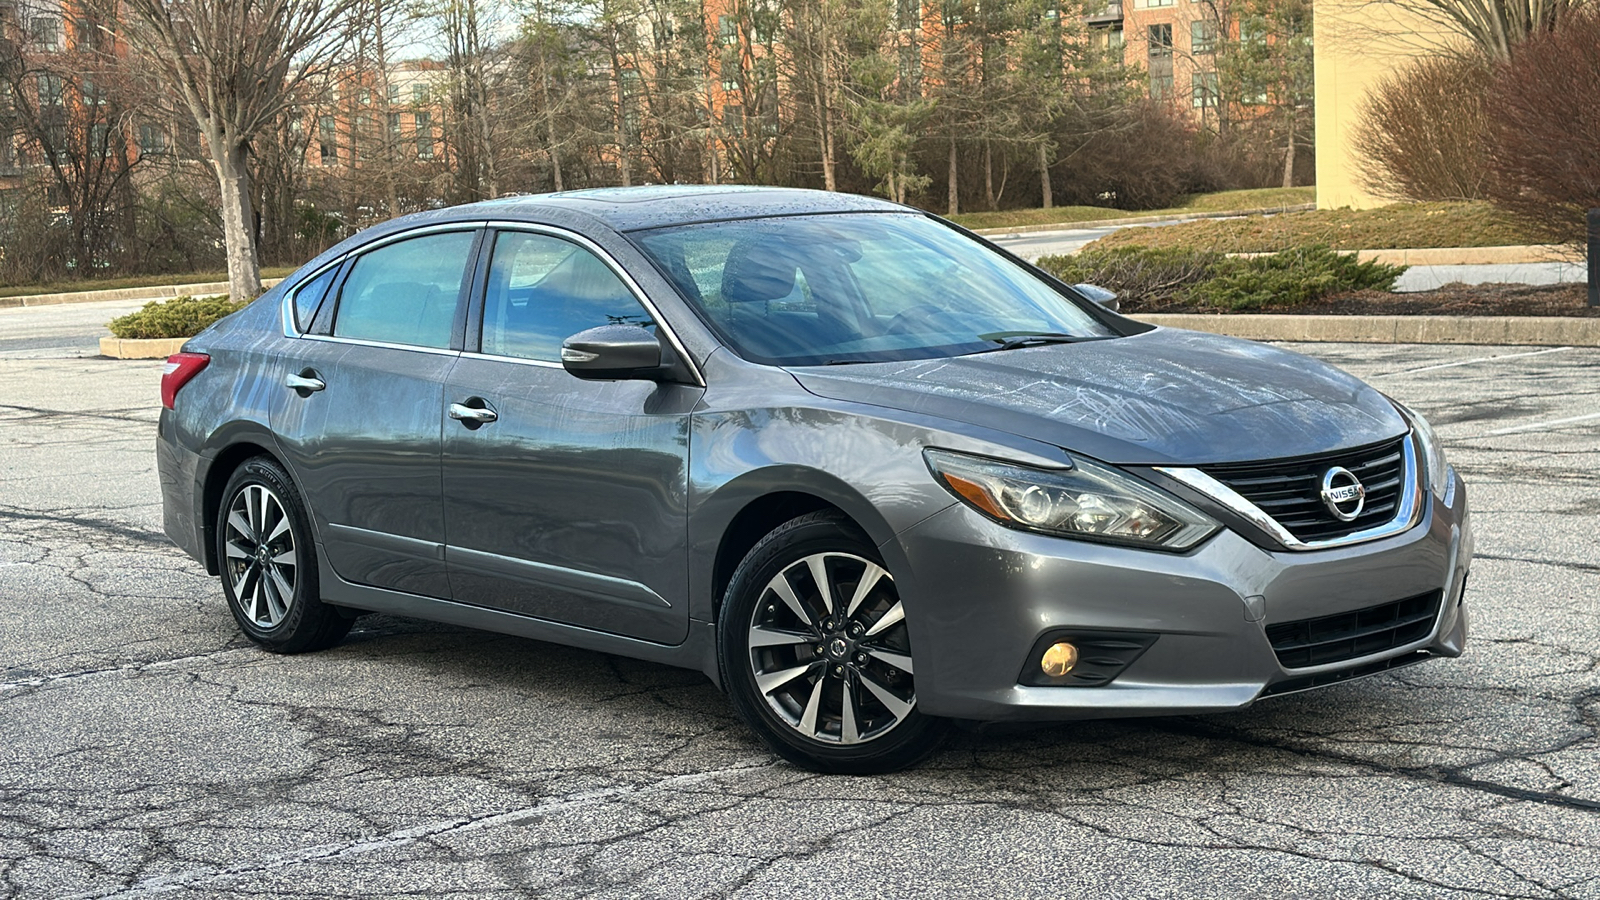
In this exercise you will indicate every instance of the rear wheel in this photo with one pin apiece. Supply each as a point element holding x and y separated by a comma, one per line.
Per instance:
<point>816,654</point>
<point>269,565</point>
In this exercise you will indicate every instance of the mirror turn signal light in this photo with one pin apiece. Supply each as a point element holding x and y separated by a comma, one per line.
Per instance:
<point>1059,659</point>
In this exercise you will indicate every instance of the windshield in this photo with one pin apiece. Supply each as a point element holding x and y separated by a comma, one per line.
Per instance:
<point>860,287</point>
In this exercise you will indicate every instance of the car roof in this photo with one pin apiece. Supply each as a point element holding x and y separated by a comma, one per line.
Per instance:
<point>655,206</point>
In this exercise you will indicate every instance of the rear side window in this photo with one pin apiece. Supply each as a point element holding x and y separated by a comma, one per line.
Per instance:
<point>543,290</point>
<point>405,292</point>
<point>308,297</point>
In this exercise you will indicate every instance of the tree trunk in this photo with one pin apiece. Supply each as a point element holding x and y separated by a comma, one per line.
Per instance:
<point>233,177</point>
<point>390,187</point>
<point>1288,159</point>
<point>988,176</point>
<point>1044,178</point>
<point>954,196</point>
<point>625,169</point>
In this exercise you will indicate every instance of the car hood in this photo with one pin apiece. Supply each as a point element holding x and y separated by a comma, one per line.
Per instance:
<point>1164,397</point>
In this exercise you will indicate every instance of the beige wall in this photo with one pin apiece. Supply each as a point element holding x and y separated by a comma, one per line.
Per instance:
<point>1358,42</point>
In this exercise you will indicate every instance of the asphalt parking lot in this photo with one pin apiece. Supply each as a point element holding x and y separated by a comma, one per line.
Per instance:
<point>148,750</point>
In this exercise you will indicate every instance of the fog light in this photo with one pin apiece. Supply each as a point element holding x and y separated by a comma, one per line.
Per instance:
<point>1059,659</point>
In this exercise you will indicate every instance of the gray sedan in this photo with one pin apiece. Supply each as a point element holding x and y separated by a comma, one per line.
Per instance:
<point>867,472</point>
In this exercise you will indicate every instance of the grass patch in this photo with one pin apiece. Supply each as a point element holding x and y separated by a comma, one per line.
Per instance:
<point>1221,201</point>
<point>1402,225</point>
<point>1185,278</point>
<point>176,318</point>
<point>131,281</point>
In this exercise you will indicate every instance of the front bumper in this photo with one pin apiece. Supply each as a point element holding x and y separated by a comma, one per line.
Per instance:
<point>979,597</point>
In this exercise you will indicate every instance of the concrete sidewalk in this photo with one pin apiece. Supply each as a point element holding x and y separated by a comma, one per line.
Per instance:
<point>152,292</point>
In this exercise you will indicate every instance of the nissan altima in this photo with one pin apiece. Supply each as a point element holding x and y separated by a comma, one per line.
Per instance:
<point>868,472</point>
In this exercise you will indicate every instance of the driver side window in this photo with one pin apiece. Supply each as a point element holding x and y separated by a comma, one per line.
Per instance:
<point>543,290</point>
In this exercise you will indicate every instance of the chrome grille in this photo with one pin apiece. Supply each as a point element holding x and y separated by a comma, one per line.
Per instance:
<point>1290,490</point>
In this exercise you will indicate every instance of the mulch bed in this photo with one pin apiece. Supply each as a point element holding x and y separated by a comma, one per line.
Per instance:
<point>1450,300</point>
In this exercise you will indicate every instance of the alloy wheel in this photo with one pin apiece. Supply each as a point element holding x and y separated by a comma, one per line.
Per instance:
<point>830,651</point>
<point>262,565</point>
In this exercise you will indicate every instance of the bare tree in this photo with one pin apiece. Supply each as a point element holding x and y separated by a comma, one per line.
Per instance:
<point>237,64</point>
<point>1492,27</point>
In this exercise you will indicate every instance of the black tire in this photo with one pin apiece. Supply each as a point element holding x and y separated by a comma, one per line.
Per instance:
<point>281,608</point>
<point>852,710</point>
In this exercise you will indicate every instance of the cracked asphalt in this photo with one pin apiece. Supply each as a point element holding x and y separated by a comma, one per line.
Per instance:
<point>147,750</point>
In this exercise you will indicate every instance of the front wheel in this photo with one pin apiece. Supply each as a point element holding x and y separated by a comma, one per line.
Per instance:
<point>816,654</point>
<point>269,564</point>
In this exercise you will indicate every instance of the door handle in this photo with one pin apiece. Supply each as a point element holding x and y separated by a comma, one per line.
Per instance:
<point>472,415</point>
<point>305,384</point>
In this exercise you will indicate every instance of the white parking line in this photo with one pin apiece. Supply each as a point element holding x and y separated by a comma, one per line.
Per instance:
<point>1474,361</point>
<point>1536,426</point>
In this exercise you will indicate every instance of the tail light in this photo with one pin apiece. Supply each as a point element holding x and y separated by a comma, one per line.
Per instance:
<point>180,368</point>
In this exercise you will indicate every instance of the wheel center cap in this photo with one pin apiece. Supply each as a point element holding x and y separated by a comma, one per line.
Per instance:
<point>838,648</point>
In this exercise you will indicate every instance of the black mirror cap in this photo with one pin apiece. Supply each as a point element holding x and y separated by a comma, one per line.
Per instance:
<point>1100,295</point>
<point>614,353</point>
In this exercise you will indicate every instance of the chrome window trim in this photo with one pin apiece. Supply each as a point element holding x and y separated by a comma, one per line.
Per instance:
<point>290,330</point>
<point>617,269</point>
<point>521,361</point>
<point>288,308</point>
<point>362,342</point>
<point>1407,512</point>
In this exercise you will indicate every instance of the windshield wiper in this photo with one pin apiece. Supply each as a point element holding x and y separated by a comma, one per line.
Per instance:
<point>1010,340</point>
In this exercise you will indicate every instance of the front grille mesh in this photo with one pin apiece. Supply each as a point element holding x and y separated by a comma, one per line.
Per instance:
<point>1290,491</point>
<point>1352,635</point>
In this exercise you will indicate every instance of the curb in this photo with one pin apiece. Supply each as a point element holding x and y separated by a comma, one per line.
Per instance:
<point>153,292</point>
<point>1140,220</point>
<point>140,348</point>
<point>1558,331</point>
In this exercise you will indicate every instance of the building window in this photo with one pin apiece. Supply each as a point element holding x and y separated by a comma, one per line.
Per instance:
<point>100,140</point>
<point>394,93</point>
<point>1160,37</point>
<point>1203,36</point>
<point>94,94</point>
<point>44,33</point>
<point>364,97</point>
<point>424,123</point>
<point>49,90</point>
<point>1152,4</point>
<point>728,30</point>
<point>1160,87</point>
<point>1207,90</point>
<point>152,140</point>
<point>7,104</point>
<point>733,119</point>
<point>394,128</point>
<point>908,13</point>
<point>955,13</point>
<point>328,140</point>
<point>765,18</point>
<point>419,94</point>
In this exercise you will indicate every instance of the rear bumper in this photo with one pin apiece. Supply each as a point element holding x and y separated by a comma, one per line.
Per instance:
<point>180,473</point>
<point>981,598</point>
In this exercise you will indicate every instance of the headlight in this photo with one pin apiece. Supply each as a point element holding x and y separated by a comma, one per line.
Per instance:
<point>1086,501</point>
<point>1440,477</point>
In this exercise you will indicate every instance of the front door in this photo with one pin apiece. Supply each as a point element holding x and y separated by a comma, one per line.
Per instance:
<point>564,499</point>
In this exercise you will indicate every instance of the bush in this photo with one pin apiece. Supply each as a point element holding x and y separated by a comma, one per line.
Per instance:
<point>1421,133</point>
<point>1201,279</point>
<point>1544,128</point>
<point>175,318</point>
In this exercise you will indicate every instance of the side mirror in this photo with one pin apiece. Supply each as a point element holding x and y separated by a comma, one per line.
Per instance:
<point>1098,294</point>
<point>612,353</point>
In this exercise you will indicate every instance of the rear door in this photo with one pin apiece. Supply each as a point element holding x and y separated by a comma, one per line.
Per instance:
<point>567,502</point>
<point>360,405</point>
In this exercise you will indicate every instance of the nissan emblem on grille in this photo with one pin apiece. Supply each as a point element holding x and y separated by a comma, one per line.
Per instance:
<point>1343,493</point>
